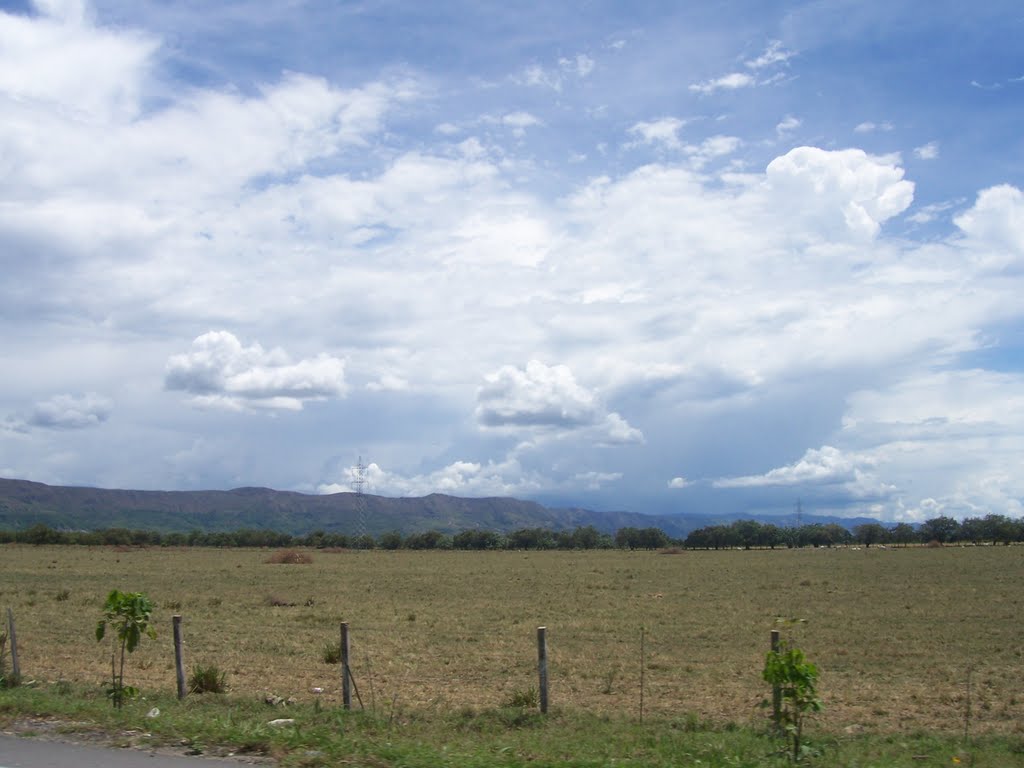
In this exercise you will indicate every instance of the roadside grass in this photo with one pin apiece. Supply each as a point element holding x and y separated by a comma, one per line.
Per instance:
<point>894,631</point>
<point>468,738</point>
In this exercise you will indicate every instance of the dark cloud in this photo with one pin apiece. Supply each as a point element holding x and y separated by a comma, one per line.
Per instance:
<point>70,412</point>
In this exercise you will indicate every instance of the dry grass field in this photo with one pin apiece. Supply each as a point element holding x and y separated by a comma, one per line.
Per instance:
<point>893,631</point>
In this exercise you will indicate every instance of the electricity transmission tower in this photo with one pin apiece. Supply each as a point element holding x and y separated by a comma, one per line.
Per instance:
<point>359,485</point>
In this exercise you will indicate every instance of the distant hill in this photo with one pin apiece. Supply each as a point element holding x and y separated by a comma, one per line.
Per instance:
<point>24,503</point>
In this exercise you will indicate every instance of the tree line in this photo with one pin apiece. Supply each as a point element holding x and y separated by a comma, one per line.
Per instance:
<point>748,534</point>
<point>582,537</point>
<point>742,534</point>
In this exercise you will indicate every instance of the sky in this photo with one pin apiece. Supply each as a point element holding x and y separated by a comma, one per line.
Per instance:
<point>660,257</point>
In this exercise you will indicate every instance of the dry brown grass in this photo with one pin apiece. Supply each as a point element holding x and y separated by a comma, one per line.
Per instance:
<point>276,601</point>
<point>894,631</point>
<point>290,557</point>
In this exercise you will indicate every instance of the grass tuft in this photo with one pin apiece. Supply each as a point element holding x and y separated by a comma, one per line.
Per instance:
<point>332,653</point>
<point>524,698</point>
<point>207,679</point>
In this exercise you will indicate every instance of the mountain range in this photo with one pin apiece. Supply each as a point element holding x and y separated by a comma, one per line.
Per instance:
<point>24,503</point>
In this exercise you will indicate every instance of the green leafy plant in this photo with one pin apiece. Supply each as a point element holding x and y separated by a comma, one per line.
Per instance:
<point>128,615</point>
<point>207,679</point>
<point>796,679</point>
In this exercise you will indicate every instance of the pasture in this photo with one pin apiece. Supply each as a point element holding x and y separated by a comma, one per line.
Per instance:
<point>893,631</point>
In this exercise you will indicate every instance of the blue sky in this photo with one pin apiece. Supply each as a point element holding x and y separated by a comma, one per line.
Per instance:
<point>679,257</point>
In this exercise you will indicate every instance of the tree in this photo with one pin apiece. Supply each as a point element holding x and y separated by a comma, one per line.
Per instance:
<point>746,532</point>
<point>363,542</point>
<point>769,536</point>
<point>128,614</point>
<point>941,529</point>
<point>531,538</point>
<point>641,538</point>
<point>835,534</point>
<point>999,528</point>
<point>870,533</point>
<point>428,540</point>
<point>586,537</point>
<point>314,539</point>
<point>40,534</point>
<point>902,533</point>
<point>471,539</point>
<point>973,529</point>
<point>117,537</point>
<point>1006,530</point>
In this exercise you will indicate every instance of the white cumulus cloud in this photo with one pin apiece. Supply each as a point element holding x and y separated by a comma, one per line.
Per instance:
<point>825,465</point>
<point>462,478</point>
<point>537,396</point>
<point>542,397</point>
<point>995,224</point>
<point>60,59</point>
<point>845,191</point>
<point>951,441</point>
<point>219,371</point>
<point>853,474</point>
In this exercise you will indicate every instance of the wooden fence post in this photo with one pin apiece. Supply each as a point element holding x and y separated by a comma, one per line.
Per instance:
<point>776,690</point>
<point>13,637</point>
<point>179,663</point>
<point>346,674</point>
<point>542,667</point>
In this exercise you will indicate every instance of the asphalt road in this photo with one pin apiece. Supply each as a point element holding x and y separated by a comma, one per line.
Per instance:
<point>17,752</point>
